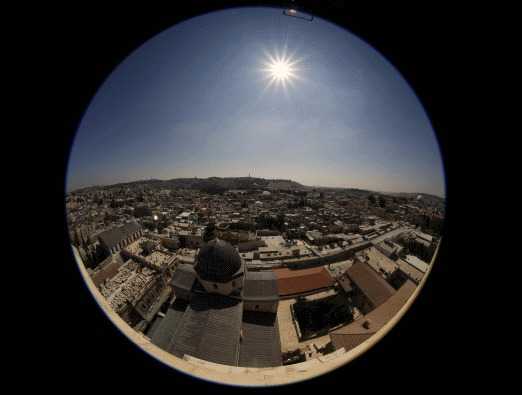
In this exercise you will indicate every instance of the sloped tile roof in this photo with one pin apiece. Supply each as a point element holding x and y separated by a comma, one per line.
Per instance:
<point>294,282</point>
<point>371,284</point>
<point>260,344</point>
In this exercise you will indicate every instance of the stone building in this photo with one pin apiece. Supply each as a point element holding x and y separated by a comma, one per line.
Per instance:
<point>113,240</point>
<point>368,289</point>
<point>222,313</point>
<point>351,335</point>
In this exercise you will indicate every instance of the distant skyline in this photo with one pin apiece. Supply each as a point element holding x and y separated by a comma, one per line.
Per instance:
<point>194,101</point>
<point>203,178</point>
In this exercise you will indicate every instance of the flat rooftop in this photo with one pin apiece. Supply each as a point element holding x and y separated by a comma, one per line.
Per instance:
<point>128,285</point>
<point>417,263</point>
<point>273,243</point>
<point>413,273</point>
<point>380,262</point>
<point>259,286</point>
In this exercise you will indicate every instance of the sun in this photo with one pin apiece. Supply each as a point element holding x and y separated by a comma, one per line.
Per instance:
<point>280,69</point>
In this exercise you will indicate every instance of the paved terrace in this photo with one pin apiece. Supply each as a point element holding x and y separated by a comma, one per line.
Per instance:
<point>288,333</point>
<point>339,255</point>
<point>380,262</point>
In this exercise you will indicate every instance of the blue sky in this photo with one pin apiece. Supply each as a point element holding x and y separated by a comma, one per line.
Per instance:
<point>195,101</point>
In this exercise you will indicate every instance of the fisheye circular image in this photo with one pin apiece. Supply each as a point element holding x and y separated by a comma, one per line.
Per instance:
<point>255,196</point>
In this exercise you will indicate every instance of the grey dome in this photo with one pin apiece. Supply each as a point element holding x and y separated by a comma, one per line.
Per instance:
<point>217,261</point>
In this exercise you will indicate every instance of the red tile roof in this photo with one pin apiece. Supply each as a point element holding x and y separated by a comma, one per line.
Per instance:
<point>295,282</point>
<point>376,289</point>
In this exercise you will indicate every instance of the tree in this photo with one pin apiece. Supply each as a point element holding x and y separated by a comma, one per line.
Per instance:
<point>210,232</point>
<point>147,246</point>
<point>382,202</point>
<point>280,221</point>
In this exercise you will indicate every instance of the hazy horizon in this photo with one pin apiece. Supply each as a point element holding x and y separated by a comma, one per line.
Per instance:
<point>194,101</point>
<point>243,176</point>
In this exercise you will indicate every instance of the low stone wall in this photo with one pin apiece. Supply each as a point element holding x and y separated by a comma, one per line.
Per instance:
<point>310,262</point>
<point>296,323</point>
<point>267,376</point>
<point>327,259</point>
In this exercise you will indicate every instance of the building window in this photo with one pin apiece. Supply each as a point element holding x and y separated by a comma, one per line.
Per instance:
<point>233,283</point>
<point>257,306</point>
<point>215,286</point>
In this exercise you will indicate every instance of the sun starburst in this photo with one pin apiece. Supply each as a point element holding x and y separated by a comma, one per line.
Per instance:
<point>280,69</point>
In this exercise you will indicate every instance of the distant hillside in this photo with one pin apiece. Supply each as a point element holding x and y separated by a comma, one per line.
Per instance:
<point>425,196</point>
<point>354,192</point>
<point>214,184</point>
<point>233,183</point>
<point>220,184</point>
<point>427,199</point>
